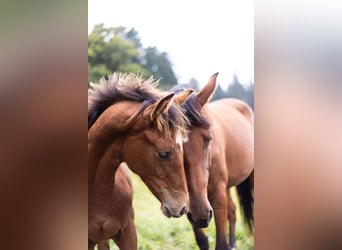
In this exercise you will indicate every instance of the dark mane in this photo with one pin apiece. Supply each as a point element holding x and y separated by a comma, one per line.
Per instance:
<point>118,87</point>
<point>132,87</point>
<point>192,108</point>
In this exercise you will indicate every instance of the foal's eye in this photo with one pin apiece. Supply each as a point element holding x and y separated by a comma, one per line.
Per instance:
<point>164,155</point>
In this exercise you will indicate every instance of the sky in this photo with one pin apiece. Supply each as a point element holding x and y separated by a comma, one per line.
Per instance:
<point>201,37</point>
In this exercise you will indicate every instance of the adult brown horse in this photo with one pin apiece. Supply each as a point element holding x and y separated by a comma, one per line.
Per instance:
<point>218,155</point>
<point>130,124</point>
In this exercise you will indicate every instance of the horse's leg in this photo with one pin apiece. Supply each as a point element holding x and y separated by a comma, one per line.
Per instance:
<point>220,206</point>
<point>232,220</point>
<point>91,245</point>
<point>103,245</point>
<point>127,239</point>
<point>201,238</point>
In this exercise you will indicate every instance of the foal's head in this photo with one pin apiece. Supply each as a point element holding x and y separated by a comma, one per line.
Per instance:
<point>155,153</point>
<point>197,155</point>
<point>148,129</point>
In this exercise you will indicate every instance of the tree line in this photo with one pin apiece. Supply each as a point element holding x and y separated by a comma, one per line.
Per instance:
<point>120,49</point>
<point>236,90</point>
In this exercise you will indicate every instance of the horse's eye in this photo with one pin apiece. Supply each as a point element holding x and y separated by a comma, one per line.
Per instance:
<point>207,140</point>
<point>164,155</point>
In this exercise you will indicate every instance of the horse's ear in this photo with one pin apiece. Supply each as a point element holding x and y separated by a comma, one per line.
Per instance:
<point>207,91</point>
<point>182,96</point>
<point>161,106</point>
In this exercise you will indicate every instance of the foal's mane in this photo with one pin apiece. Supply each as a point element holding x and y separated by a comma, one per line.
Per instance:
<point>131,87</point>
<point>192,108</point>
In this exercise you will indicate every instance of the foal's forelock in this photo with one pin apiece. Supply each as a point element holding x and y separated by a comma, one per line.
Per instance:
<point>172,125</point>
<point>180,139</point>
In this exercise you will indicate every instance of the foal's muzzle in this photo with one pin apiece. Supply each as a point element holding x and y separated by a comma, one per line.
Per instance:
<point>174,212</point>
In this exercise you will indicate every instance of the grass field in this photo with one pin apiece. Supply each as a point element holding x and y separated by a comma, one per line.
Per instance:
<point>156,232</point>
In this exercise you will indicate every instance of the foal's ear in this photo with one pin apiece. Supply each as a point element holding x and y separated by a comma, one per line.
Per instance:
<point>162,106</point>
<point>207,91</point>
<point>182,96</point>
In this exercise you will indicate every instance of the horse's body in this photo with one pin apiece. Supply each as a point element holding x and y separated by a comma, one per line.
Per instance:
<point>105,219</point>
<point>131,124</point>
<point>232,160</point>
<point>219,154</point>
<point>232,143</point>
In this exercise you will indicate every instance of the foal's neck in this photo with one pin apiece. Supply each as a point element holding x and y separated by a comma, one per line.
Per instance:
<point>102,165</point>
<point>105,139</point>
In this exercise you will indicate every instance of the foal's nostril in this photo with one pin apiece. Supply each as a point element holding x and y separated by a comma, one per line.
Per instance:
<point>167,212</point>
<point>182,211</point>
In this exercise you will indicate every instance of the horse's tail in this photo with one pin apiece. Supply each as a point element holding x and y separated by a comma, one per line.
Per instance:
<point>245,191</point>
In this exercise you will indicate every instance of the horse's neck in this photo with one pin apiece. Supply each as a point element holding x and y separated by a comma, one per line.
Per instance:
<point>105,140</point>
<point>103,161</point>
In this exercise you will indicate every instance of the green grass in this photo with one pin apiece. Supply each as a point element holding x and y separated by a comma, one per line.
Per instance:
<point>156,232</point>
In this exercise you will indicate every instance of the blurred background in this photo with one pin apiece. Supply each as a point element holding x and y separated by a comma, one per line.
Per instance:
<point>178,42</point>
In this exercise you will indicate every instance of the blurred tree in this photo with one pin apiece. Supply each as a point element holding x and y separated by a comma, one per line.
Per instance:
<point>132,35</point>
<point>193,83</point>
<point>236,90</point>
<point>109,50</point>
<point>160,66</point>
<point>119,49</point>
<point>219,93</point>
<point>97,71</point>
<point>250,95</point>
<point>246,94</point>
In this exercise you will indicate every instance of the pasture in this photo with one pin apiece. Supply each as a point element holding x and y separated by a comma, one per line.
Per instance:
<point>156,232</point>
